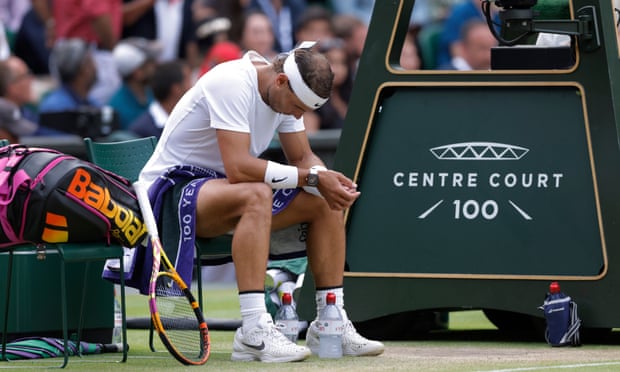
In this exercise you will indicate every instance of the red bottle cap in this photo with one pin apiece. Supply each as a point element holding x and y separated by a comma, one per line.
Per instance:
<point>330,299</point>
<point>286,298</point>
<point>554,287</point>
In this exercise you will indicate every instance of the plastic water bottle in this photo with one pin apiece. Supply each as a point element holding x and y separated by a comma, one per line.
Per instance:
<point>331,327</point>
<point>287,287</point>
<point>286,318</point>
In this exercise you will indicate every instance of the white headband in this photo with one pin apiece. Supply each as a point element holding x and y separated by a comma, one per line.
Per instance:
<point>299,86</point>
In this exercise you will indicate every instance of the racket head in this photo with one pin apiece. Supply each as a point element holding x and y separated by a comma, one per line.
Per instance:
<point>179,320</point>
<point>174,310</point>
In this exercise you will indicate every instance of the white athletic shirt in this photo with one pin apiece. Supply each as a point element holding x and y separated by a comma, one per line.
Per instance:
<point>226,97</point>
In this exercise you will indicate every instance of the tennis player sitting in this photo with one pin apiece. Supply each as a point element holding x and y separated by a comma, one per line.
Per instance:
<point>207,179</point>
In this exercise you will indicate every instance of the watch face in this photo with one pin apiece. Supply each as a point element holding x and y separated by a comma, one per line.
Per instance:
<point>313,180</point>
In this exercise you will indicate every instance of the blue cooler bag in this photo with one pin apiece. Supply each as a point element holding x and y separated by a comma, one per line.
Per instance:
<point>562,320</point>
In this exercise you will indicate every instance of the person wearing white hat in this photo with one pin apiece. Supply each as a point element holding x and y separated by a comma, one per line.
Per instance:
<point>206,178</point>
<point>135,59</point>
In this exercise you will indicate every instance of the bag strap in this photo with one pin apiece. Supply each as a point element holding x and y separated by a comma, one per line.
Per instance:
<point>12,156</point>
<point>572,334</point>
<point>11,161</point>
<point>10,182</point>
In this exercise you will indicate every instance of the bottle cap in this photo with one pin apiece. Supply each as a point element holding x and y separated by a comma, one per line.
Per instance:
<point>330,299</point>
<point>286,298</point>
<point>554,287</point>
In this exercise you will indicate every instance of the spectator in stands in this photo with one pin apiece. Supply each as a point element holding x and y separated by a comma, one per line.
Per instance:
<point>169,22</point>
<point>98,23</point>
<point>459,15</point>
<point>359,9</point>
<point>332,114</point>
<point>283,15</point>
<point>410,58</point>
<point>136,59</point>
<point>353,31</point>
<point>220,52</point>
<point>32,41</point>
<point>315,24</point>
<point>170,81</point>
<point>72,63</point>
<point>16,86</point>
<point>5,48</point>
<point>12,125</point>
<point>473,50</point>
<point>234,10</point>
<point>204,9</point>
<point>213,43</point>
<point>12,13</point>
<point>257,34</point>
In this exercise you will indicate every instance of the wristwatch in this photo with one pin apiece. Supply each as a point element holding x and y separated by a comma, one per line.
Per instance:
<point>313,178</point>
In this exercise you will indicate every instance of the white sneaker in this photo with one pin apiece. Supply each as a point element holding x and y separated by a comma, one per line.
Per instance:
<point>267,344</point>
<point>353,344</point>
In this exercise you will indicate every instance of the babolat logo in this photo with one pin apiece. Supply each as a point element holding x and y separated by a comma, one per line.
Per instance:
<point>127,227</point>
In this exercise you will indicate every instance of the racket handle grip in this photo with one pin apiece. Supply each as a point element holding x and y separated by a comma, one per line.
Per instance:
<point>145,208</point>
<point>113,348</point>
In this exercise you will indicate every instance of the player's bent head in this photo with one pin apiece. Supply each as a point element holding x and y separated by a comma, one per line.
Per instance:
<point>314,69</point>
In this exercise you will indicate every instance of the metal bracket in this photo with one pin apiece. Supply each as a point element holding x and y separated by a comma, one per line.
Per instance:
<point>590,39</point>
<point>41,252</point>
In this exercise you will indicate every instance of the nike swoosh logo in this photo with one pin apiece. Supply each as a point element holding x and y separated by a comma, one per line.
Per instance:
<point>260,347</point>
<point>276,180</point>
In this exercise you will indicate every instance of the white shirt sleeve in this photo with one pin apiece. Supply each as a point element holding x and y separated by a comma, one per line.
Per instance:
<point>229,102</point>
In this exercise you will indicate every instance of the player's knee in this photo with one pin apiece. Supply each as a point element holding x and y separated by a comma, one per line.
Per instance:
<point>322,211</point>
<point>258,196</point>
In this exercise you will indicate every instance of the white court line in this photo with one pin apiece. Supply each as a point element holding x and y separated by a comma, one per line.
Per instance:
<point>566,366</point>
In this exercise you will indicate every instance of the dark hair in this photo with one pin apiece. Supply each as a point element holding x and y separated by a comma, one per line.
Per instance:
<point>5,77</point>
<point>314,13</point>
<point>166,75</point>
<point>314,68</point>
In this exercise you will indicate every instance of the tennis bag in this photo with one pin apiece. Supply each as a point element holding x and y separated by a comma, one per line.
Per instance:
<point>50,197</point>
<point>562,320</point>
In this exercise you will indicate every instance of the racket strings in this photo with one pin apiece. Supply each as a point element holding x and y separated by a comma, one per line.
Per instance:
<point>178,319</point>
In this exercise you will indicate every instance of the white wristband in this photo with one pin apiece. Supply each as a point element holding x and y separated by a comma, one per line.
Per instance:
<point>312,189</point>
<point>280,176</point>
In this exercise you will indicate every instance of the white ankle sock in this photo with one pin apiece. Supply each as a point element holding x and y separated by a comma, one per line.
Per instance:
<point>320,300</point>
<point>252,307</point>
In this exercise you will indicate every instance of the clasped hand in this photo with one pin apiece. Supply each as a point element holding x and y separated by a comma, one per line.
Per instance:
<point>339,191</point>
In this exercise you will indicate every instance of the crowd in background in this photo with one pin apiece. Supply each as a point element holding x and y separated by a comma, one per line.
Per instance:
<point>138,57</point>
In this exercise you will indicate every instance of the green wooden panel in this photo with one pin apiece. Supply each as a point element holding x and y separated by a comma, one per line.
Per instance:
<point>35,307</point>
<point>453,183</point>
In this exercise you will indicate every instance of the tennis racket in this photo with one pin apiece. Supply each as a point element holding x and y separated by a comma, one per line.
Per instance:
<point>174,310</point>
